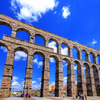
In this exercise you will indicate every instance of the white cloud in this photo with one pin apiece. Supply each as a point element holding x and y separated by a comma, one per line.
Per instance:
<point>3,48</point>
<point>93,43</point>
<point>39,63</point>
<point>33,82</point>
<point>15,78</point>
<point>36,86</point>
<point>53,45</point>
<point>39,79</point>
<point>84,68</point>
<point>65,65</point>
<point>65,81</point>
<point>35,60</point>
<point>52,84</point>
<point>52,60</point>
<point>20,55</point>
<point>22,83</point>
<point>32,10</point>
<point>64,51</point>
<point>75,82</point>
<point>15,83</point>
<point>65,11</point>
<point>75,67</point>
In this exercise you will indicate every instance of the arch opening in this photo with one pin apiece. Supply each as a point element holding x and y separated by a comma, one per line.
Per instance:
<point>66,64</point>
<point>52,75</point>
<point>92,57</point>
<point>22,35</point>
<point>6,23</point>
<point>83,55</point>
<point>23,30</point>
<point>95,73</point>
<point>53,44</point>
<point>75,72</point>
<point>98,59</point>
<point>5,30</point>
<point>64,49</point>
<point>84,71</point>
<point>39,40</point>
<point>78,80</point>
<point>88,79</point>
<point>21,49</point>
<point>65,71</point>
<point>20,65</point>
<point>75,53</point>
<point>38,60</point>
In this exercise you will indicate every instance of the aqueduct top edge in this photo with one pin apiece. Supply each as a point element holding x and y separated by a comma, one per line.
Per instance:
<point>44,31</point>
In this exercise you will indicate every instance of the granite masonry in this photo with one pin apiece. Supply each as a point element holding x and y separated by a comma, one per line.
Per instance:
<point>90,86</point>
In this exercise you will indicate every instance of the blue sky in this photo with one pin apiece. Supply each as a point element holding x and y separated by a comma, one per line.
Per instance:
<point>77,20</point>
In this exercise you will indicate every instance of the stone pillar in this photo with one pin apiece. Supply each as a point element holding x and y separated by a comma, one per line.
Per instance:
<point>31,39</point>
<point>13,34</point>
<point>81,83</point>
<point>28,77</point>
<point>99,75</point>
<point>80,55</point>
<point>46,43</point>
<point>96,78</point>
<point>70,52</point>
<point>59,79</point>
<point>93,83</point>
<point>91,90</point>
<point>59,48</point>
<point>71,88</point>
<point>98,92</point>
<point>45,79</point>
<point>99,61</point>
<point>95,60</point>
<point>87,57</point>
<point>7,76</point>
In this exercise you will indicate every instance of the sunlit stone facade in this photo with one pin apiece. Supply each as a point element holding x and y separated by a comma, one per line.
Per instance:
<point>91,86</point>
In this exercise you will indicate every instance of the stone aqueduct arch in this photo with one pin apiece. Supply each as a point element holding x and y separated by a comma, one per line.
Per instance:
<point>91,86</point>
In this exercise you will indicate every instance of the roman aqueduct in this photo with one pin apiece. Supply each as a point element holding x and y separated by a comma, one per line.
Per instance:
<point>91,86</point>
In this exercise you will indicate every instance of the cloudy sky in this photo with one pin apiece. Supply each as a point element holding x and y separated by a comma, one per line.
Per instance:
<point>77,20</point>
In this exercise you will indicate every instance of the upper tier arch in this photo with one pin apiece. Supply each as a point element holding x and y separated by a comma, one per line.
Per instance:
<point>2,22</point>
<point>20,48</point>
<point>4,45</point>
<point>67,60</point>
<point>39,53</point>
<point>85,51</point>
<point>55,40</point>
<point>21,28</point>
<point>40,35</point>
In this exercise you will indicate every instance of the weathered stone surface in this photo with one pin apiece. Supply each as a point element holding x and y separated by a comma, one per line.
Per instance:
<point>90,87</point>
